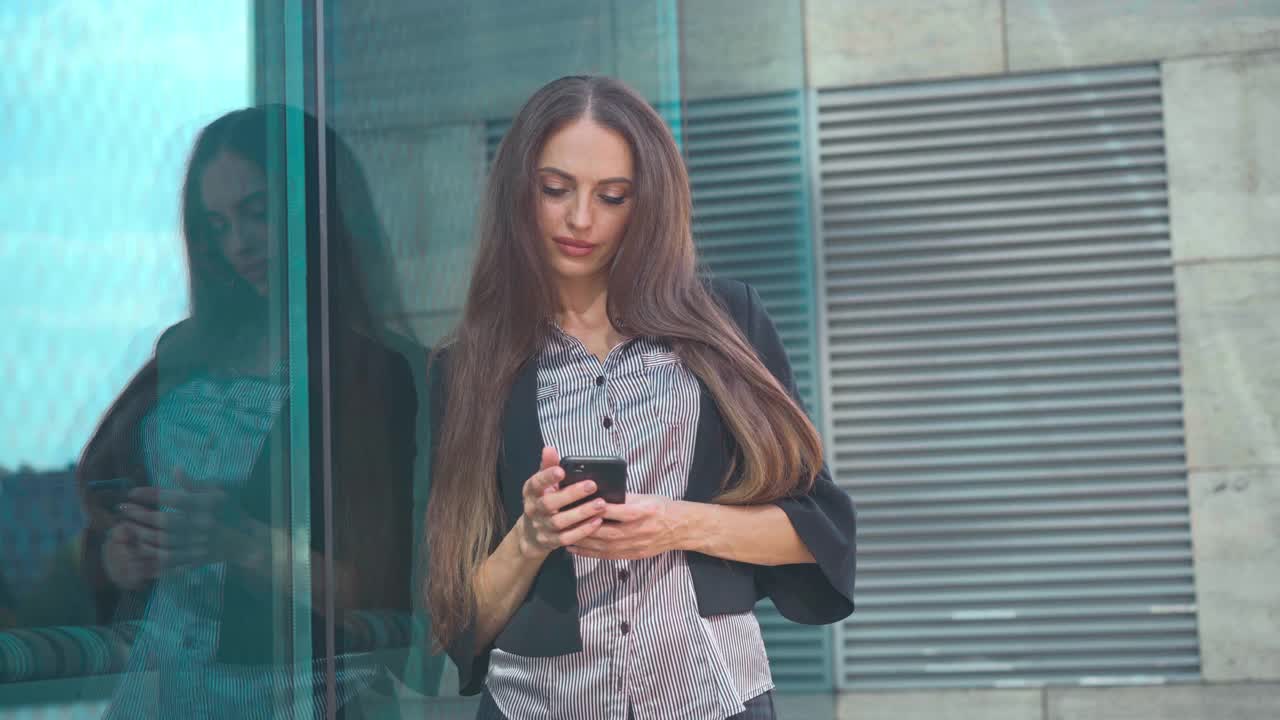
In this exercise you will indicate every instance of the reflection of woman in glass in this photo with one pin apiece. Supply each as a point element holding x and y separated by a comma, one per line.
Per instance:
<point>587,331</point>
<point>187,478</point>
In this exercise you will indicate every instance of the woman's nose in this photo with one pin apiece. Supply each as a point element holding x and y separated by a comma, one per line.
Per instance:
<point>235,243</point>
<point>580,213</point>
<point>240,240</point>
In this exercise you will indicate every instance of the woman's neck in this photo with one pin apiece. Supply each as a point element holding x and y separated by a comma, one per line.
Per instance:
<point>584,314</point>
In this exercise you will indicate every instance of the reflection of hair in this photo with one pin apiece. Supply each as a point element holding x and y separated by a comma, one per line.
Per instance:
<point>222,301</point>
<point>653,291</point>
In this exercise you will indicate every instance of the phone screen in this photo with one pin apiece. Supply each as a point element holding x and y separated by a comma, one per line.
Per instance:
<point>609,475</point>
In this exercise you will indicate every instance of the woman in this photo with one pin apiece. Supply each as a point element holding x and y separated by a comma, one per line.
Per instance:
<point>195,540</point>
<point>586,330</point>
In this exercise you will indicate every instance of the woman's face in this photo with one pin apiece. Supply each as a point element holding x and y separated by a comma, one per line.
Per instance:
<point>234,194</point>
<point>584,198</point>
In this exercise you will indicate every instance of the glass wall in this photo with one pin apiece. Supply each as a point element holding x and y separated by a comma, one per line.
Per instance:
<point>159,550</point>
<point>232,233</point>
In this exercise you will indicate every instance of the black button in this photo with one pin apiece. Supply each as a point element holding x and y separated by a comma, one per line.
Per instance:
<point>608,423</point>
<point>625,628</point>
<point>623,574</point>
<point>599,379</point>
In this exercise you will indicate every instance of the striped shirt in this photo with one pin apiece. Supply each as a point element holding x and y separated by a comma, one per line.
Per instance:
<point>212,428</point>
<point>645,647</point>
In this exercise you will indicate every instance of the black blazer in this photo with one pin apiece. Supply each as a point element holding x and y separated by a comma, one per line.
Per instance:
<point>382,568</point>
<point>546,624</point>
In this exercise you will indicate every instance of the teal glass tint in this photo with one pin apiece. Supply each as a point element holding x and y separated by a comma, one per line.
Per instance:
<point>417,92</point>
<point>157,494</point>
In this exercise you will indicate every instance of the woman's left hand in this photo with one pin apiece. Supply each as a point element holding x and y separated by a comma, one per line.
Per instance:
<point>200,525</point>
<point>643,526</point>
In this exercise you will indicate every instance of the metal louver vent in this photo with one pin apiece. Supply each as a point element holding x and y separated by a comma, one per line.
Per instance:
<point>751,222</point>
<point>1004,380</point>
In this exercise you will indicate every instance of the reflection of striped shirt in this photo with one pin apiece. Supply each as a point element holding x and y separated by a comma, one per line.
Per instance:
<point>644,643</point>
<point>213,429</point>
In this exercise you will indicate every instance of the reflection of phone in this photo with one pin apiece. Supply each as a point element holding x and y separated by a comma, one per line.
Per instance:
<point>110,492</point>
<point>609,474</point>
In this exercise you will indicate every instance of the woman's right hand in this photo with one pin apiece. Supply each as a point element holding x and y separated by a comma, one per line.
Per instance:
<point>544,526</point>
<point>127,564</point>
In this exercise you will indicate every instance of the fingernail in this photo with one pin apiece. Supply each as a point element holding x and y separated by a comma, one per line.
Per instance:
<point>588,486</point>
<point>599,504</point>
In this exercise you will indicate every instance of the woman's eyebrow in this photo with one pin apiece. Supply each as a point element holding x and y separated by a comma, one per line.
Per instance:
<point>251,198</point>
<point>570,178</point>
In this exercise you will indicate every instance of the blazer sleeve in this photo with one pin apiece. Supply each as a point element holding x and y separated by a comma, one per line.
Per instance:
<point>473,665</point>
<point>824,517</point>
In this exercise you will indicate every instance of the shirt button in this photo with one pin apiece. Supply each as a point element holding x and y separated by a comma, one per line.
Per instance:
<point>608,423</point>
<point>625,628</point>
<point>599,379</point>
<point>623,574</point>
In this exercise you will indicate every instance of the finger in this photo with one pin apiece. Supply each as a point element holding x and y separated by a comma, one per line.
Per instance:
<point>582,513</point>
<point>611,533</point>
<point>145,495</point>
<point>141,516</point>
<point>186,557</point>
<point>202,523</point>
<point>550,458</point>
<point>537,485</point>
<point>622,512</point>
<point>198,497</point>
<point>583,552</point>
<point>592,543</point>
<point>167,538</point>
<point>154,540</point>
<point>581,532</point>
<point>156,497</point>
<point>553,501</point>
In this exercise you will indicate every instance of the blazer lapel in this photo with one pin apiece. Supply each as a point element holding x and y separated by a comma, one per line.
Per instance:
<point>710,456</point>
<point>547,623</point>
<point>521,440</point>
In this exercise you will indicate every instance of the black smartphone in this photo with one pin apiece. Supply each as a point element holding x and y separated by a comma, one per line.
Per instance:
<point>110,492</point>
<point>609,474</point>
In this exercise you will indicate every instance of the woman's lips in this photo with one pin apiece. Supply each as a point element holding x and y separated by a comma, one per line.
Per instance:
<point>253,271</point>
<point>573,248</point>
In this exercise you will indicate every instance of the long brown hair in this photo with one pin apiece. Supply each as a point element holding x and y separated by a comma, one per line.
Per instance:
<point>370,478</point>
<point>653,291</point>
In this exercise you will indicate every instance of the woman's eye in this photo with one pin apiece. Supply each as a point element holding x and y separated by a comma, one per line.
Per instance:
<point>256,211</point>
<point>554,191</point>
<point>614,199</point>
<point>216,227</point>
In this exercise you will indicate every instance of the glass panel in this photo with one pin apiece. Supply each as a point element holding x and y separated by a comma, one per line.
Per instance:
<point>747,126</point>
<point>155,542</point>
<point>419,92</point>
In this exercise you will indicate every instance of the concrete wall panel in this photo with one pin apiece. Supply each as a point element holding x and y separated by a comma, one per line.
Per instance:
<point>882,41</point>
<point>1046,34</point>
<point>1185,702</point>
<point>1230,340</point>
<point>1235,520</point>
<point>741,47</point>
<point>942,705</point>
<point>1221,116</point>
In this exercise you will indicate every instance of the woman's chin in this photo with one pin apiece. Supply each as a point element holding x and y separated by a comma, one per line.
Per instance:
<point>575,270</point>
